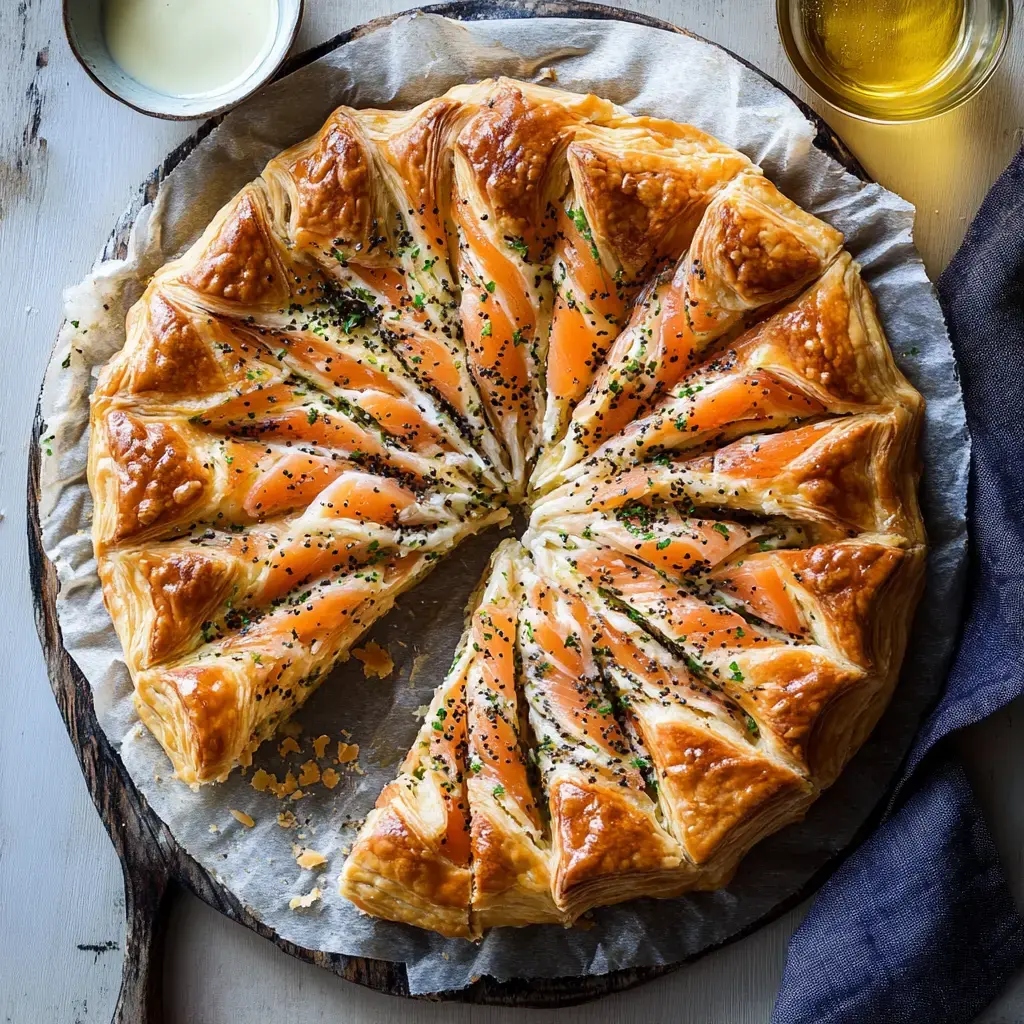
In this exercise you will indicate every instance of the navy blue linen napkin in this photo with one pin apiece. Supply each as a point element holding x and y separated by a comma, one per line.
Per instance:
<point>918,925</point>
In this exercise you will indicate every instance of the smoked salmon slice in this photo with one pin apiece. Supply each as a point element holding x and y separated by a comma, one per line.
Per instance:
<point>704,413</point>
<point>755,583</point>
<point>589,310</point>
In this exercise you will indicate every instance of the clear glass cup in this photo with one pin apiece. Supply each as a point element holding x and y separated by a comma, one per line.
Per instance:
<point>895,60</point>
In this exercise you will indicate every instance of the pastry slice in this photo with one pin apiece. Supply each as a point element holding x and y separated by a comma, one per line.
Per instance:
<point>411,861</point>
<point>669,539</point>
<point>160,478</point>
<point>855,473</point>
<point>753,247</point>
<point>168,599</point>
<point>721,786</point>
<point>608,844</point>
<point>455,842</point>
<point>509,168</point>
<point>211,708</point>
<point>511,853</point>
<point>636,194</point>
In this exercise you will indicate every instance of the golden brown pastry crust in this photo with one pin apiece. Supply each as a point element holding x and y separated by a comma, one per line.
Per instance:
<point>415,318</point>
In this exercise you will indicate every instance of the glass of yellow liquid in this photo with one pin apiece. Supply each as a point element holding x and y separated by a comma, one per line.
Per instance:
<point>895,60</point>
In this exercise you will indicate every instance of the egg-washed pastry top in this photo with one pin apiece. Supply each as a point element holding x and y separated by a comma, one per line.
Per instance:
<point>413,321</point>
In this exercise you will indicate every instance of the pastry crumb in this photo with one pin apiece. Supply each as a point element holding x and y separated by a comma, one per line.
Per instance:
<point>309,773</point>
<point>287,820</point>
<point>418,664</point>
<point>310,859</point>
<point>262,781</point>
<point>242,817</point>
<point>320,745</point>
<point>214,828</point>
<point>330,778</point>
<point>376,661</point>
<point>347,752</point>
<point>304,901</point>
<point>288,746</point>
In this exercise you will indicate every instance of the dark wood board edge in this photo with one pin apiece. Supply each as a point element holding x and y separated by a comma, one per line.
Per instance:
<point>152,859</point>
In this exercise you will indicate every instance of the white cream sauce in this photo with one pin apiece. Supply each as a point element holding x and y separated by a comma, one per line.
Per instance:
<point>189,47</point>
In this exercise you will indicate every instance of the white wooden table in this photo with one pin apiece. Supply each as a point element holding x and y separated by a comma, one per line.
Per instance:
<point>70,158</point>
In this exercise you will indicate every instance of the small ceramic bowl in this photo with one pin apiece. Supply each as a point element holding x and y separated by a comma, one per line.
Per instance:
<point>83,24</point>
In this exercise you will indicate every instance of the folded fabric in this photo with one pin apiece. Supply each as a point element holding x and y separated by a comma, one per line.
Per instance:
<point>918,924</point>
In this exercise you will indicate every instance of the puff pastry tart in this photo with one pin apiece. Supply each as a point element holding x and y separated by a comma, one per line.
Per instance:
<point>412,321</point>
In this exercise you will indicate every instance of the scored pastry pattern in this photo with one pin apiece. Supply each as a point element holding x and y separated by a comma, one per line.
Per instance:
<point>414,321</point>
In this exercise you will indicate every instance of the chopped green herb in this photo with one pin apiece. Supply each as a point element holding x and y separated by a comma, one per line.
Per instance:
<point>518,246</point>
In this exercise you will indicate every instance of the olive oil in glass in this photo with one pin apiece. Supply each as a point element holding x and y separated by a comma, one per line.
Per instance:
<point>884,47</point>
<point>894,59</point>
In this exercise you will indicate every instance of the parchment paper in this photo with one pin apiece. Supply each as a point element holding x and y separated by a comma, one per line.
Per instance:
<point>650,72</point>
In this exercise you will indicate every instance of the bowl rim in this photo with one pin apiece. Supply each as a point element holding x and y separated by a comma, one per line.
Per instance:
<point>799,65</point>
<point>270,71</point>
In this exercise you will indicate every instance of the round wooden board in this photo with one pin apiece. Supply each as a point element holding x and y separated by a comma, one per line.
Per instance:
<point>152,859</point>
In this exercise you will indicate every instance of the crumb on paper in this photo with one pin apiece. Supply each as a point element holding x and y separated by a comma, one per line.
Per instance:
<point>309,773</point>
<point>320,745</point>
<point>297,795</point>
<point>288,746</point>
<point>287,820</point>
<point>421,712</point>
<point>263,782</point>
<point>214,828</point>
<point>357,768</point>
<point>547,74</point>
<point>376,661</point>
<point>309,860</point>
<point>304,901</point>
<point>330,778</point>
<point>291,728</point>
<point>242,817</point>
<point>347,752</point>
